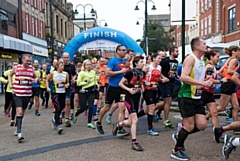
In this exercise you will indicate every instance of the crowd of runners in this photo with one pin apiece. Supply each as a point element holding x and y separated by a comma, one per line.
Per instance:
<point>126,82</point>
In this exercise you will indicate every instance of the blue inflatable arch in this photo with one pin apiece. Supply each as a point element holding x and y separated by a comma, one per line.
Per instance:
<point>100,33</point>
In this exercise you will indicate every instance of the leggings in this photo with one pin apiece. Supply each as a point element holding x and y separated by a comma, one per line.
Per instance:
<point>89,98</point>
<point>8,99</point>
<point>59,104</point>
<point>44,90</point>
<point>13,112</point>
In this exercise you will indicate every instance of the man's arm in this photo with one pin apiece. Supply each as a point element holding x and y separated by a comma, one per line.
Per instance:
<point>10,77</point>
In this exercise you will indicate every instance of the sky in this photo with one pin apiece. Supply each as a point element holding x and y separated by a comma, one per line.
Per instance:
<point>120,14</point>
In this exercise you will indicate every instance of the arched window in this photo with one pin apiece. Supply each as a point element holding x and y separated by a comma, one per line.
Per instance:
<point>3,15</point>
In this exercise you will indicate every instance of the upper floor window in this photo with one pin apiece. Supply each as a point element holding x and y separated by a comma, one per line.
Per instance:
<point>209,24</point>
<point>35,3</point>
<point>209,3</point>
<point>57,28</point>
<point>3,15</point>
<point>206,4</point>
<point>40,5</point>
<point>231,19</point>
<point>202,6</point>
<point>27,23</point>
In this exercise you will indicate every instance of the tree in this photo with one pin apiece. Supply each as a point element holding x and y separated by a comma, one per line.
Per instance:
<point>158,38</point>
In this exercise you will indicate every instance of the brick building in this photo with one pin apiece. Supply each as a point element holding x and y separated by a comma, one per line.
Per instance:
<point>33,27</point>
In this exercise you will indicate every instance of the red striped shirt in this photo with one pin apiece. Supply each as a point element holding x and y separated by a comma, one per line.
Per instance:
<point>23,81</point>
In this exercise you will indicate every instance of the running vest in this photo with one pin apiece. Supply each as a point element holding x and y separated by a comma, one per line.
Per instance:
<point>137,78</point>
<point>198,73</point>
<point>214,76</point>
<point>152,76</point>
<point>225,69</point>
<point>59,80</point>
<point>23,81</point>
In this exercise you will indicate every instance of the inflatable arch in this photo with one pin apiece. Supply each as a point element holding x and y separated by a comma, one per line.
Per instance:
<point>100,33</point>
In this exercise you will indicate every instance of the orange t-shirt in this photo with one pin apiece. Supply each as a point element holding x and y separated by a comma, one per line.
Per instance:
<point>226,75</point>
<point>103,76</point>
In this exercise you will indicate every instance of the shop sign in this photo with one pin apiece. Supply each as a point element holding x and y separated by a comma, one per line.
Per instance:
<point>6,56</point>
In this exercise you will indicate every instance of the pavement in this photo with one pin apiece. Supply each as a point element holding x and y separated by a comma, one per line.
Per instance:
<point>78,143</point>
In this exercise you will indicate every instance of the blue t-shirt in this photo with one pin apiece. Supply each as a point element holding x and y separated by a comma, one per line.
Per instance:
<point>179,72</point>
<point>116,64</point>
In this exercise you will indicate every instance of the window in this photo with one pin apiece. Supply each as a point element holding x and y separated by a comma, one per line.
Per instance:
<point>36,23</point>
<point>206,26</point>
<point>40,5</point>
<point>27,23</point>
<point>201,27</point>
<point>35,3</point>
<point>47,19</point>
<point>217,16</point>
<point>231,19</point>
<point>57,29</point>
<point>3,15</point>
<point>65,29</point>
<point>166,23</point>
<point>41,29</point>
<point>209,3</point>
<point>206,5</point>
<point>209,24</point>
<point>202,6</point>
<point>61,26</point>
<point>33,25</point>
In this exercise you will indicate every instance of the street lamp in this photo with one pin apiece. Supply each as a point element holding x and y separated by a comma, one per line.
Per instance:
<point>146,20</point>
<point>100,21</point>
<point>84,15</point>
<point>140,18</point>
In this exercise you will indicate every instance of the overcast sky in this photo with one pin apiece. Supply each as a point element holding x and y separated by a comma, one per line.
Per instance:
<point>120,14</point>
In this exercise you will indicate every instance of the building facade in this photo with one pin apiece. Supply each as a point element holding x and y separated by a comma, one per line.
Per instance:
<point>163,19</point>
<point>33,27</point>
<point>62,25</point>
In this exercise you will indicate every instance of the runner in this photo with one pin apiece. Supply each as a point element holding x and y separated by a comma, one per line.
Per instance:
<point>169,67</point>
<point>96,69</point>
<point>153,75</point>
<point>36,90</point>
<point>9,94</point>
<point>70,69</point>
<point>190,105</point>
<point>132,84</point>
<point>228,89</point>
<point>60,83</point>
<point>87,80</point>
<point>22,89</point>
<point>115,71</point>
<point>44,93</point>
<point>103,78</point>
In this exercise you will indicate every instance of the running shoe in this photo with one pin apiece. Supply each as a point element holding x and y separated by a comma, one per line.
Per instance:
<point>122,132</point>
<point>229,120</point>
<point>114,129</point>
<point>152,132</point>
<point>91,126</point>
<point>136,146</point>
<point>94,118</point>
<point>74,120</point>
<point>71,116</point>
<point>99,128</point>
<point>228,112</point>
<point>155,118</point>
<point>20,137</point>
<point>236,132</point>
<point>175,139</point>
<point>217,134</point>
<point>59,130</point>
<point>85,113</point>
<point>30,106</point>
<point>221,139</point>
<point>228,146</point>
<point>179,127</point>
<point>108,118</point>
<point>53,123</point>
<point>37,113</point>
<point>179,155</point>
<point>67,123</point>
<point>167,123</point>
<point>12,123</point>
<point>8,114</point>
<point>15,131</point>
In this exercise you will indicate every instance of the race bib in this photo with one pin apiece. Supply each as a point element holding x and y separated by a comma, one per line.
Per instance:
<point>60,85</point>
<point>154,85</point>
<point>122,97</point>
<point>24,82</point>
<point>102,73</point>
<point>198,92</point>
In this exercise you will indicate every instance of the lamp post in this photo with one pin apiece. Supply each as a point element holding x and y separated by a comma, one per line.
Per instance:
<point>146,20</point>
<point>100,21</point>
<point>84,15</point>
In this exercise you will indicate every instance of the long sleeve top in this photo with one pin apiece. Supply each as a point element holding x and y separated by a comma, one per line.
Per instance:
<point>84,76</point>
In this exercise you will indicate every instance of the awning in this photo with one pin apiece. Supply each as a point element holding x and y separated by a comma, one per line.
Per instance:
<point>12,43</point>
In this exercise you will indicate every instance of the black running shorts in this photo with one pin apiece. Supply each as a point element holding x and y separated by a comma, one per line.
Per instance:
<point>190,107</point>
<point>228,88</point>
<point>207,97</point>
<point>21,101</point>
